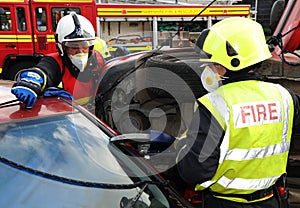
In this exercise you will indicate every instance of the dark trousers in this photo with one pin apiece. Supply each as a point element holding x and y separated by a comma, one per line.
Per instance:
<point>212,202</point>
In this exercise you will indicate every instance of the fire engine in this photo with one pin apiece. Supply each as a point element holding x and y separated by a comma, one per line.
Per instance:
<point>27,27</point>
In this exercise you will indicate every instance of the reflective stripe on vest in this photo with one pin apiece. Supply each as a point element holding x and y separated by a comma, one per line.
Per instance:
<point>254,150</point>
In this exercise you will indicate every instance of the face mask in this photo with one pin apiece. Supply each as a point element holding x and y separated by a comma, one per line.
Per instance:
<point>210,79</point>
<point>79,60</point>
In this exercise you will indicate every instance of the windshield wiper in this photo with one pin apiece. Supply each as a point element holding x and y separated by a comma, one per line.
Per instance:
<point>134,202</point>
<point>9,102</point>
<point>75,182</point>
<point>130,203</point>
<point>125,202</point>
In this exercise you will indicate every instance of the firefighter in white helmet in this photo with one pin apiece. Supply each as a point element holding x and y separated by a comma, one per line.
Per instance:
<point>74,68</point>
<point>237,146</point>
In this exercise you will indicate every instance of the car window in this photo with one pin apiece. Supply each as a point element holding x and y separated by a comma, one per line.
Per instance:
<point>66,146</point>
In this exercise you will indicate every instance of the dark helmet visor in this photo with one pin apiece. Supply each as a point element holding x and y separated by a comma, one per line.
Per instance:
<point>199,45</point>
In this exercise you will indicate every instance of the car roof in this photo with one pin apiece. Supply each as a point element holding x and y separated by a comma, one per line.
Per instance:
<point>12,109</point>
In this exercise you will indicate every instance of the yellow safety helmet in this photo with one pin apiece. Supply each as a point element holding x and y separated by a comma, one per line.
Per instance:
<point>101,46</point>
<point>234,43</point>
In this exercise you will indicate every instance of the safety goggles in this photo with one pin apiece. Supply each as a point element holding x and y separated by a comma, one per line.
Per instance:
<point>79,44</point>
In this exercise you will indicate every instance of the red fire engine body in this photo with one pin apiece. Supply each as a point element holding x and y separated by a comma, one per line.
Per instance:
<point>27,27</point>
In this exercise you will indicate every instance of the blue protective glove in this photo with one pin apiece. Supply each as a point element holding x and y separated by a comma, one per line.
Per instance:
<point>28,87</point>
<point>160,141</point>
<point>57,92</point>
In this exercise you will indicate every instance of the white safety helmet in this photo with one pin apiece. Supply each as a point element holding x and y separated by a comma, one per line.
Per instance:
<point>73,28</point>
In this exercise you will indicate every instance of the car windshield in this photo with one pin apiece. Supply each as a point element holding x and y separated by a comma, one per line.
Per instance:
<point>66,147</point>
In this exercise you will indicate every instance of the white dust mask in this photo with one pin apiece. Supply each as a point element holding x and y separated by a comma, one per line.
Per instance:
<point>79,60</point>
<point>210,79</point>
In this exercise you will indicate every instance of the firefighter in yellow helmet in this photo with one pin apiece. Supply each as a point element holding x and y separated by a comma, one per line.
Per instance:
<point>237,145</point>
<point>101,47</point>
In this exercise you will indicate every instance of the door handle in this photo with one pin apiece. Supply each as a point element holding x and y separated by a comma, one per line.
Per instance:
<point>10,46</point>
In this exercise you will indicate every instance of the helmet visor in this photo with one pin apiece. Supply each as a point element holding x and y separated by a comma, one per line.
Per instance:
<point>199,45</point>
<point>79,44</point>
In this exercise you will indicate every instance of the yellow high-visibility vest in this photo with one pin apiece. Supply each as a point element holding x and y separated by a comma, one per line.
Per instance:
<point>258,127</point>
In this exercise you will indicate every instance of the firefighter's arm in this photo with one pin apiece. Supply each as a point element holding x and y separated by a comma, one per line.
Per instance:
<point>182,136</point>
<point>51,70</point>
<point>200,150</point>
<point>28,86</point>
<point>296,122</point>
<point>48,69</point>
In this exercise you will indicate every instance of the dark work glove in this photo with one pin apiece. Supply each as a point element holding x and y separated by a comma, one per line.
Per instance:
<point>28,88</point>
<point>57,92</point>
